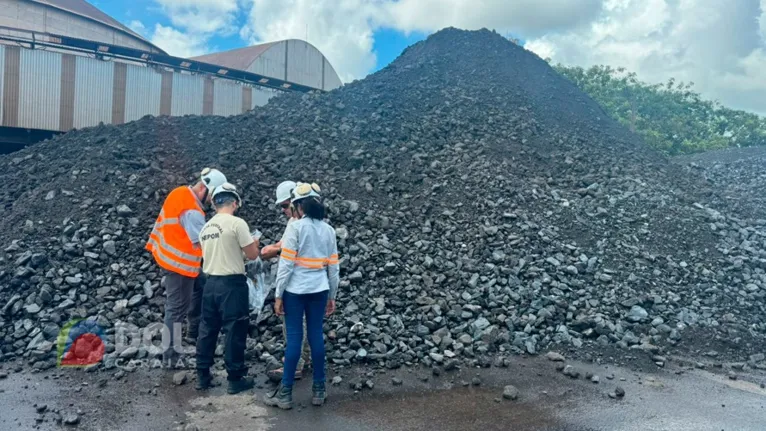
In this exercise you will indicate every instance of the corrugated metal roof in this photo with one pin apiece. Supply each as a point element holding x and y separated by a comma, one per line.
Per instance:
<point>240,58</point>
<point>87,10</point>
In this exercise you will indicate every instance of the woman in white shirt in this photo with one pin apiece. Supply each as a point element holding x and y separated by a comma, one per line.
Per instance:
<point>306,285</point>
<point>284,196</point>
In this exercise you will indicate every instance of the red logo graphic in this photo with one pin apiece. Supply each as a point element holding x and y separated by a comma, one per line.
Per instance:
<point>80,343</point>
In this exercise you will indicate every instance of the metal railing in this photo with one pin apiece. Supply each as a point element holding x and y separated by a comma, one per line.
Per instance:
<point>105,51</point>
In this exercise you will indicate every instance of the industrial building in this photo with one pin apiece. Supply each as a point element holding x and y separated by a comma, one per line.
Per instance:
<point>73,18</point>
<point>291,60</point>
<point>65,64</point>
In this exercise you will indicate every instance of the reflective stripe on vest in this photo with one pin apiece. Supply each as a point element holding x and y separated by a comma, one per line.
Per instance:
<point>165,222</point>
<point>171,249</point>
<point>161,255</point>
<point>309,262</point>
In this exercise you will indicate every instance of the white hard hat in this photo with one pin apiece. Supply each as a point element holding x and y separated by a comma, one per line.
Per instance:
<point>227,188</point>
<point>305,190</point>
<point>212,178</point>
<point>285,191</point>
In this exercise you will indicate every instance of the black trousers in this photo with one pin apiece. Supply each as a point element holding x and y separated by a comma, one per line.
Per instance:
<point>224,308</point>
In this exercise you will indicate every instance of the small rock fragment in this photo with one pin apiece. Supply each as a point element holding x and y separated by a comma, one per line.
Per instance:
<point>619,392</point>
<point>555,357</point>
<point>180,378</point>
<point>510,392</point>
<point>124,211</point>
<point>571,372</point>
<point>452,364</point>
<point>71,419</point>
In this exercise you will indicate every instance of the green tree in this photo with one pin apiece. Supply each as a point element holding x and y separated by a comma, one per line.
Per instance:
<point>671,117</point>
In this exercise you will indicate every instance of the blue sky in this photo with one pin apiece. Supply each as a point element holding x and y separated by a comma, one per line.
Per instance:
<point>389,43</point>
<point>150,13</point>
<point>720,47</point>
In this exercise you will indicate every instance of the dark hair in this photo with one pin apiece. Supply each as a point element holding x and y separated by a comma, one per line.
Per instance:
<point>224,199</point>
<point>312,208</point>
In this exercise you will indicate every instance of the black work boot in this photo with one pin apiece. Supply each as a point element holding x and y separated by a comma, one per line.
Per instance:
<point>319,394</point>
<point>240,385</point>
<point>204,380</point>
<point>282,398</point>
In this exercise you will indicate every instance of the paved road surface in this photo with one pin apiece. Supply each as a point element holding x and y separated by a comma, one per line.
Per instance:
<point>655,400</point>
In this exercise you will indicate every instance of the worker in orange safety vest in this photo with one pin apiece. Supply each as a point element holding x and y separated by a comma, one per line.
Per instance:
<point>174,244</point>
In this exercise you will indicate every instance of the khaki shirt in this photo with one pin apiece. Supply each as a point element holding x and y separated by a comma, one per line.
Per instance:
<point>222,240</point>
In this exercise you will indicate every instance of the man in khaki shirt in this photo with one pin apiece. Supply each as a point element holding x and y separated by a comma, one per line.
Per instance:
<point>225,242</point>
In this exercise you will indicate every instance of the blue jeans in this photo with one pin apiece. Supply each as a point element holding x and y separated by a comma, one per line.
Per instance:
<point>313,306</point>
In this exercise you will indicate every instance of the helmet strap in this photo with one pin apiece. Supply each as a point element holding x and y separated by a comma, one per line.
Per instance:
<point>204,197</point>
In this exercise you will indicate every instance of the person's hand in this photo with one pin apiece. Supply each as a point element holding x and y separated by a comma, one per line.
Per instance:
<point>279,307</point>
<point>330,308</point>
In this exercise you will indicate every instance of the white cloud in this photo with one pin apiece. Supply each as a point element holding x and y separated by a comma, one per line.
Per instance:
<point>178,43</point>
<point>718,45</point>
<point>194,23</point>
<point>762,20</point>
<point>341,30</point>
<point>138,27</point>
<point>202,16</point>
<point>528,17</point>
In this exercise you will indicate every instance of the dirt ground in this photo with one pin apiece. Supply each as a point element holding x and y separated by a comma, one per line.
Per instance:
<point>670,398</point>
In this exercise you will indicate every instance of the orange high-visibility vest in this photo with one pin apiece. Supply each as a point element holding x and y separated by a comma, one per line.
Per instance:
<point>169,243</point>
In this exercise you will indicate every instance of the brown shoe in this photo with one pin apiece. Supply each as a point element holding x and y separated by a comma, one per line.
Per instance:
<point>276,375</point>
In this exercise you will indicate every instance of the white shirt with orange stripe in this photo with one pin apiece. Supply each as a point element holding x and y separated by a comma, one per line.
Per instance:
<point>309,259</point>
